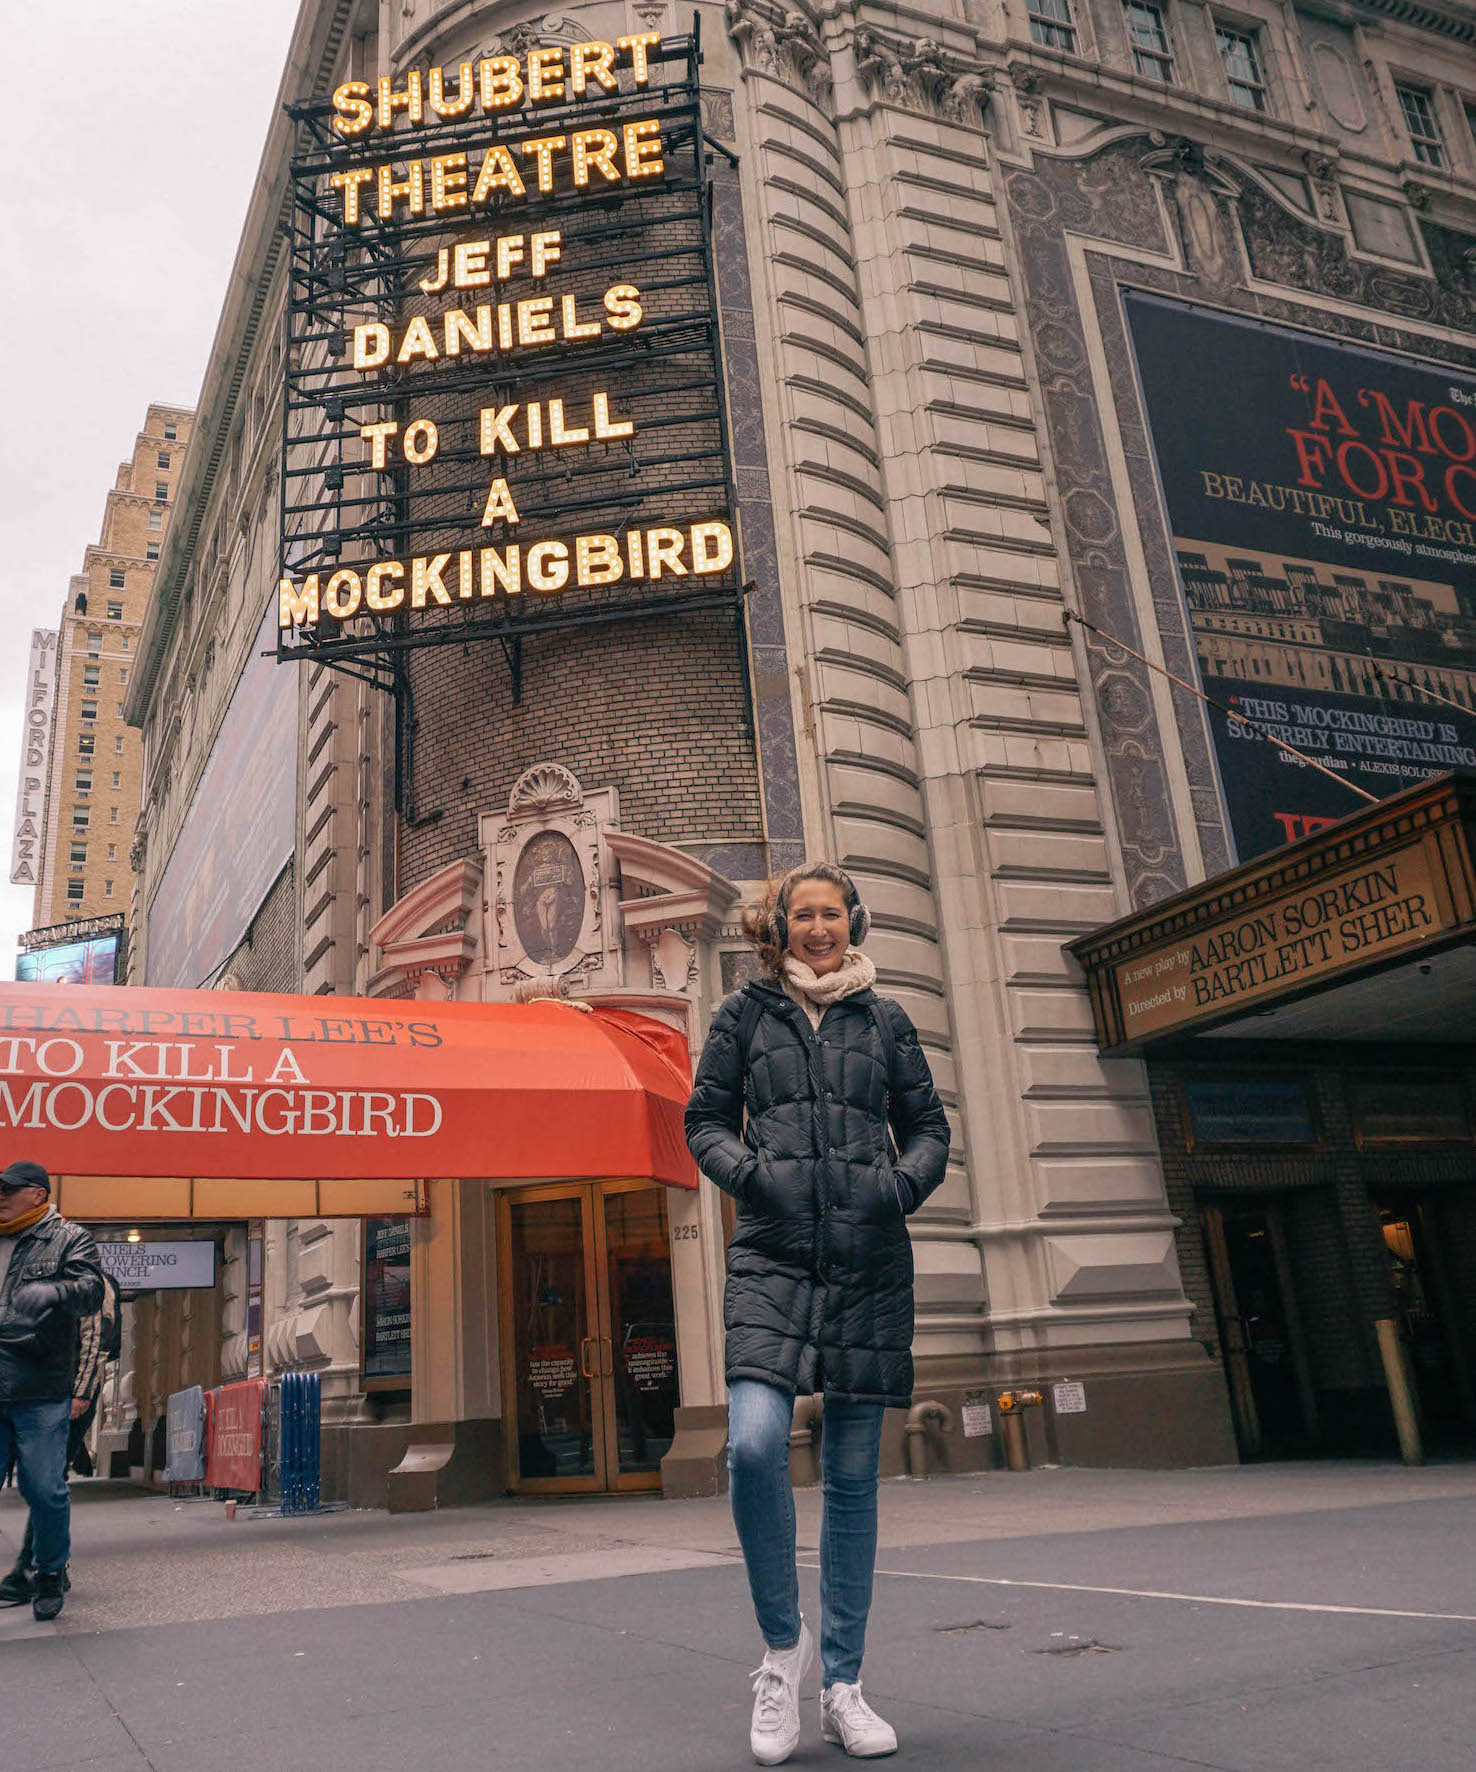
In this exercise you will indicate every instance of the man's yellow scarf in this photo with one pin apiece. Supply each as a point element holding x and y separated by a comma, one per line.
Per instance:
<point>26,1220</point>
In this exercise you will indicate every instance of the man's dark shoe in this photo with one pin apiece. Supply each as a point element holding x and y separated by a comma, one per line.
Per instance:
<point>50,1587</point>
<point>17,1587</point>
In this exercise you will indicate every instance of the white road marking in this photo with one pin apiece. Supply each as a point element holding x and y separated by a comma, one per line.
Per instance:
<point>1148,1593</point>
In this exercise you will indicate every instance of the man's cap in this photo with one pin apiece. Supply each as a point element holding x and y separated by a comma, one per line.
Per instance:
<point>20,1175</point>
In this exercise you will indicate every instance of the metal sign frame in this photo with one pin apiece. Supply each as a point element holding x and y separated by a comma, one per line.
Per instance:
<point>335,510</point>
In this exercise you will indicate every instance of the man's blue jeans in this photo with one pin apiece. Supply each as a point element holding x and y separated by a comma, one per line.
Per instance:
<point>759,1421</point>
<point>37,1434</point>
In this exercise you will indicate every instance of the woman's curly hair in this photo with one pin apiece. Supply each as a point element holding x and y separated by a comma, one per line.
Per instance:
<point>758,918</point>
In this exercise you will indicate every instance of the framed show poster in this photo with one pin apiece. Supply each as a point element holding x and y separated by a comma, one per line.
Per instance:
<point>386,1314</point>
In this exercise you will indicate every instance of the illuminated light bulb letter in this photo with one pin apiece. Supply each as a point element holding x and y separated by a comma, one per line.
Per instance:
<point>501,83</point>
<point>560,434</point>
<point>664,550</point>
<point>638,49</point>
<point>469,264</point>
<point>590,61</point>
<point>643,149</point>
<point>535,320</point>
<point>545,75</point>
<point>623,306</point>
<point>543,249</point>
<point>509,253</point>
<point>634,553</point>
<point>496,430</point>
<point>417,342</point>
<point>422,440</point>
<point>597,560</point>
<point>426,581</point>
<point>342,594</point>
<point>411,101</point>
<point>371,344</point>
<point>465,575</point>
<point>433,285</point>
<point>606,427</point>
<point>712,547</point>
<point>542,149</point>
<point>448,182</point>
<point>502,572</point>
<point>594,147</point>
<point>459,330</point>
<point>351,183</point>
<point>296,609</point>
<point>574,327</point>
<point>378,437</point>
<point>353,111</point>
<point>411,188</point>
<point>548,566</point>
<point>499,507</point>
<point>498,174</point>
<point>466,91</point>
<point>377,599</point>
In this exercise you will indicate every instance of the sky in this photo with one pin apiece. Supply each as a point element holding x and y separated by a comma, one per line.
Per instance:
<point>126,207</point>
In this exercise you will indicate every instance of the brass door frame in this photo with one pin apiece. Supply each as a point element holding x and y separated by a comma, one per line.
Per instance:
<point>596,1355</point>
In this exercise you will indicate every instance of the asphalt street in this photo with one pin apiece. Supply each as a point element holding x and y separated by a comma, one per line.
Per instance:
<point>1065,1621</point>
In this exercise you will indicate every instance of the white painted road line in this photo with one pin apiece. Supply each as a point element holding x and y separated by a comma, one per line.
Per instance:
<point>1148,1593</point>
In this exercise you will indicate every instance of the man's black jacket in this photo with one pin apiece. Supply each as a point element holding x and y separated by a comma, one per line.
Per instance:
<point>38,1330</point>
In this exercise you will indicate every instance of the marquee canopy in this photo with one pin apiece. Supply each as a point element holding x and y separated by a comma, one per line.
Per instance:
<point>178,1104</point>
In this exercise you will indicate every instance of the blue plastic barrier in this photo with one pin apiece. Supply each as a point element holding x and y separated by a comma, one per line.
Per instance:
<point>302,1421</point>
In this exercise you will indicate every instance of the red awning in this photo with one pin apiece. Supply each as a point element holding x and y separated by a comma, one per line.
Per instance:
<point>210,1084</point>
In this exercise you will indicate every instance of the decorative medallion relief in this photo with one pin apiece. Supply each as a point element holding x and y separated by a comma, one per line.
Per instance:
<point>548,922</point>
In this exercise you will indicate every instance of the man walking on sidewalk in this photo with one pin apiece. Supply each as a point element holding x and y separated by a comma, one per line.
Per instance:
<point>49,1280</point>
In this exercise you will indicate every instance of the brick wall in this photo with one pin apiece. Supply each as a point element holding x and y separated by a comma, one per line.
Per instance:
<point>655,708</point>
<point>268,959</point>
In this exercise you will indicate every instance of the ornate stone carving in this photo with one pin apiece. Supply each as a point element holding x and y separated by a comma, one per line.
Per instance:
<point>783,43</point>
<point>529,33</point>
<point>543,788</point>
<point>921,74</point>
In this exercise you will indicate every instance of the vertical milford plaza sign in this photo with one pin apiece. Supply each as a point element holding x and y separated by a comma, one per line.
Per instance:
<point>30,791</point>
<point>504,406</point>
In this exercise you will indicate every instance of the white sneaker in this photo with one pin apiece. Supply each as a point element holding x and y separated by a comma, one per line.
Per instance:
<point>846,1717</point>
<point>776,1717</point>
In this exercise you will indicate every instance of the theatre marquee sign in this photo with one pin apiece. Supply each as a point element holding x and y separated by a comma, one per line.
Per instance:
<point>1323,909</point>
<point>504,402</point>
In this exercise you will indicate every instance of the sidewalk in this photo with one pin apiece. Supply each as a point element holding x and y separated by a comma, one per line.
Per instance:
<point>1062,1621</point>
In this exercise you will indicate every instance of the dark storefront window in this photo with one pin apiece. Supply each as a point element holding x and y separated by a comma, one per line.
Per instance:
<point>386,1303</point>
<point>1395,1109</point>
<point>1229,1111</point>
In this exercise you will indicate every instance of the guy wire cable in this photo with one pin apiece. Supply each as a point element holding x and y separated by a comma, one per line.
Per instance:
<point>1070,615</point>
<point>1419,688</point>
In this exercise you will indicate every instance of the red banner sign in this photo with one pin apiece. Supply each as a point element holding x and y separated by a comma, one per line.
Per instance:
<point>233,1441</point>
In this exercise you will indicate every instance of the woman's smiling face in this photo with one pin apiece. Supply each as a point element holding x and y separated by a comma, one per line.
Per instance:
<point>819,925</point>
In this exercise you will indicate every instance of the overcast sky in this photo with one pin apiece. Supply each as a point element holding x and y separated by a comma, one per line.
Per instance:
<point>127,198</point>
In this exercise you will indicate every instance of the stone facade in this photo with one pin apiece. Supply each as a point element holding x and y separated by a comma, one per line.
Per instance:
<point>940,457</point>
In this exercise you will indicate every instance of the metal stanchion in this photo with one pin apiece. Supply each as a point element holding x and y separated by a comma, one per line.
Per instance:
<point>1401,1392</point>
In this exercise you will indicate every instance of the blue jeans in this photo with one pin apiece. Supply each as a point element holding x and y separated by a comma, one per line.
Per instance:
<point>759,1421</point>
<point>37,1434</point>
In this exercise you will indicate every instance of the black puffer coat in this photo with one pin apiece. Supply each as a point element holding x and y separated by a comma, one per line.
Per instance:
<point>819,1294</point>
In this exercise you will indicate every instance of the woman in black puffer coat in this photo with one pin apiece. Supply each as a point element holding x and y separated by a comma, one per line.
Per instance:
<point>805,1077</point>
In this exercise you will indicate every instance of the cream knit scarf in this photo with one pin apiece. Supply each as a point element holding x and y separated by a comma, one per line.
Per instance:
<point>815,995</point>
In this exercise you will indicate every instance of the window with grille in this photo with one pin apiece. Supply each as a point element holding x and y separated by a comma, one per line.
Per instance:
<point>163,458</point>
<point>1153,55</point>
<point>84,781</point>
<point>1051,23</point>
<point>81,818</point>
<point>89,710</point>
<point>171,432</point>
<point>85,744</point>
<point>151,552</point>
<point>115,612</point>
<point>78,855</point>
<point>1418,106</point>
<point>161,490</point>
<point>1241,57</point>
<point>115,579</point>
<point>107,888</point>
<point>117,778</point>
<point>112,815</point>
<point>75,889</point>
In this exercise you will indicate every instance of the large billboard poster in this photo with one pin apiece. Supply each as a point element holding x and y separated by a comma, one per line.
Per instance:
<point>93,960</point>
<point>1322,502</point>
<point>239,832</point>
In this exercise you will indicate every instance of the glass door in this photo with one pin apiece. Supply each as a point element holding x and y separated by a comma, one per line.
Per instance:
<point>588,1335</point>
